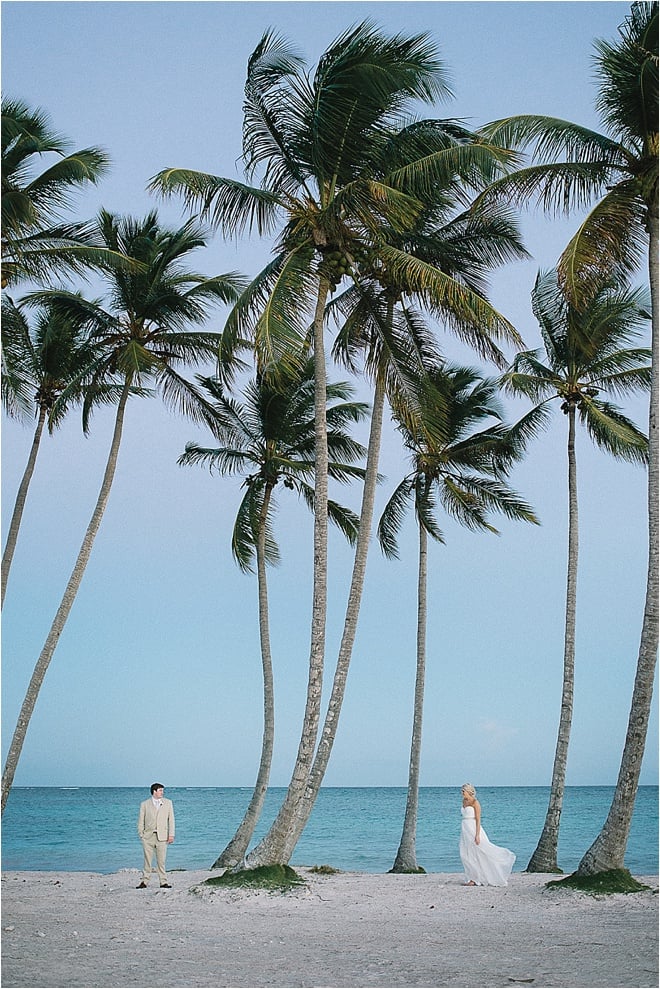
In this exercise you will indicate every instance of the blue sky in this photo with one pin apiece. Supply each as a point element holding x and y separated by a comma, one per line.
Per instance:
<point>157,674</point>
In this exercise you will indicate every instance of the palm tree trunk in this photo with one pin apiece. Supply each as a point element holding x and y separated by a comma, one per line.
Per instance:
<point>19,506</point>
<point>65,607</point>
<point>608,850</point>
<point>544,858</point>
<point>406,856</point>
<point>235,851</point>
<point>275,848</point>
<point>329,732</point>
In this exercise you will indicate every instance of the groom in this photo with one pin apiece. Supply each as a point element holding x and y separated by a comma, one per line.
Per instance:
<point>156,830</point>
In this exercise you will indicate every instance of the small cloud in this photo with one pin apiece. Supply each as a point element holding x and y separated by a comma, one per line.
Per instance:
<point>496,732</point>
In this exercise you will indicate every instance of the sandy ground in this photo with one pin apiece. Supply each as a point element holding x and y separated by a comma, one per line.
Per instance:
<point>348,929</point>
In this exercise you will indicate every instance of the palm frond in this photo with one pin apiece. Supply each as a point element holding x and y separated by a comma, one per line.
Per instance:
<point>628,71</point>
<point>225,203</point>
<point>476,165</point>
<point>246,530</point>
<point>220,460</point>
<point>468,315</point>
<point>392,517</point>
<point>614,432</point>
<point>185,398</point>
<point>608,246</point>
<point>18,360</point>
<point>550,138</point>
<point>425,507</point>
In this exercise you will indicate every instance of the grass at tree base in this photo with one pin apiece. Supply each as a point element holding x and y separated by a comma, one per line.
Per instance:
<point>600,884</point>
<point>271,878</point>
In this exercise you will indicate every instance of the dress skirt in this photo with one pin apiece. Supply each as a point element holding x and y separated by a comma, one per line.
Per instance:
<point>485,864</point>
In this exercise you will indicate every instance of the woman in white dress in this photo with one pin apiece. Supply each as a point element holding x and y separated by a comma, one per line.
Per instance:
<point>485,864</point>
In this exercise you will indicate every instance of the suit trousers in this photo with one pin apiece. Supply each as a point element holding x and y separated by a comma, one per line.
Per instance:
<point>151,844</point>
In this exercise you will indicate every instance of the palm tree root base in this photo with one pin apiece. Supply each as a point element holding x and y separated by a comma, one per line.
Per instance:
<point>539,867</point>
<point>272,878</point>
<point>601,883</point>
<point>407,872</point>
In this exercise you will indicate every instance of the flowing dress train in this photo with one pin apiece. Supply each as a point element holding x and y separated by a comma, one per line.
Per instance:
<point>485,864</point>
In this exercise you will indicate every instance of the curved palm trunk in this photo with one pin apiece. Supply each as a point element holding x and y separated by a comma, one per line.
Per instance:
<point>275,847</point>
<point>235,851</point>
<point>544,858</point>
<point>65,607</point>
<point>19,506</point>
<point>608,850</point>
<point>406,856</point>
<point>351,619</point>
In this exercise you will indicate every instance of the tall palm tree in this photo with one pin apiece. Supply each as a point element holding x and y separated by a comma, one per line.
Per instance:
<point>319,142</point>
<point>464,472</point>
<point>269,438</point>
<point>145,335</point>
<point>39,361</point>
<point>441,263</point>
<point>576,166</point>
<point>35,241</point>
<point>587,355</point>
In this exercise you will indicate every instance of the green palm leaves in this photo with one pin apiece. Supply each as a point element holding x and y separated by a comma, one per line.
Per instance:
<point>578,164</point>
<point>587,358</point>
<point>43,359</point>
<point>337,167</point>
<point>269,439</point>
<point>33,242</point>
<point>144,332</point>
<point>462,470</point>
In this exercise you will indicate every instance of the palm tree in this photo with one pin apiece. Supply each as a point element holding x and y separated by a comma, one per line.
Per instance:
<point>587,354</point>
<point>442,263</point>
<point>34,241</point>
<point>143,336</point>
<point>463,471</point>
<point>40,362</point>
<point>270,440</point>
<point>319,143</point>
<point>621,166</point>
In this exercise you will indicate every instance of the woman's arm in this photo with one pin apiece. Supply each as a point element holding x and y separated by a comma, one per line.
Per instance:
<point>477,819</point>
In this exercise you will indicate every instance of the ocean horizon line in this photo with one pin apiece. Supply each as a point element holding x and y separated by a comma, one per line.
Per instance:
<point>333,786</point>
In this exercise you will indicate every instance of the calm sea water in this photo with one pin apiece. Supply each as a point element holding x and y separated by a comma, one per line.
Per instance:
<point>353,828</point>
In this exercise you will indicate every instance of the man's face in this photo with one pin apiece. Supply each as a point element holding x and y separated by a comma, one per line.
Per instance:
<point>158,794</point>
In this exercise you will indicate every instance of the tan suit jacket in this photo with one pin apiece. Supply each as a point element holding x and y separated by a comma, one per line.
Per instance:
<point>160,820</point>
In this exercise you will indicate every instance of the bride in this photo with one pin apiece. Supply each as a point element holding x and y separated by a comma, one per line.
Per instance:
<point>485,864</point>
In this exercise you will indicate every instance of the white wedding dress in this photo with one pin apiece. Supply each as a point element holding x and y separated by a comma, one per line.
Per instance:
<point>485,864</point>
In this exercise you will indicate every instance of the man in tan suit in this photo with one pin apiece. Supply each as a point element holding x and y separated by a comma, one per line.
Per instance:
<point>156,830</point>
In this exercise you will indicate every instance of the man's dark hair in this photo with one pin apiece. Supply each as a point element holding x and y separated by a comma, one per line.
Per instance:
<point>156,786</point>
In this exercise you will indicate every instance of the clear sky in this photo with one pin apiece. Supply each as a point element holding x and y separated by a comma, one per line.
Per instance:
<point>158,673</point>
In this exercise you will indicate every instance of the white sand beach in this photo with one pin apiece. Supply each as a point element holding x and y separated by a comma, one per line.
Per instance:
<point>64,929</point>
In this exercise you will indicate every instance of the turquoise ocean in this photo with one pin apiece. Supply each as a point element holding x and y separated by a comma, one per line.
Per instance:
<point>88,829</point>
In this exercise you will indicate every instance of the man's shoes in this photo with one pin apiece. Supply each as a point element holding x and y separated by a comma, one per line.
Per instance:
<point>165,886</point>
<point>141,886</point>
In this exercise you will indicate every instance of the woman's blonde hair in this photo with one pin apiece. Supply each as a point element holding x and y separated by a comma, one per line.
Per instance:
<point>469,789</point>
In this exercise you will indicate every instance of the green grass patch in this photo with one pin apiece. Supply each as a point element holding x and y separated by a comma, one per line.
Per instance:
<point>324,870</point>
<point>271,878</point>
<point>600,884</point>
